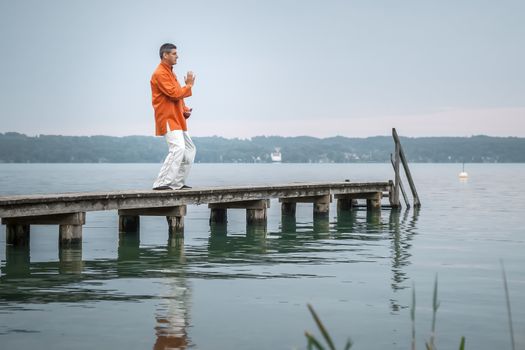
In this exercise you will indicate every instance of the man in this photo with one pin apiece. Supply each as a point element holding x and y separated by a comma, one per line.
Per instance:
<point>170,120</point>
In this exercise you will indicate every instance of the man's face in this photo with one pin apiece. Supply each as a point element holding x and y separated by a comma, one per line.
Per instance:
<point>171,57</point>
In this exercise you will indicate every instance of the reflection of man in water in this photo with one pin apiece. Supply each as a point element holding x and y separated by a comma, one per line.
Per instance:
<point>170,120</point>
<point>173,312</point>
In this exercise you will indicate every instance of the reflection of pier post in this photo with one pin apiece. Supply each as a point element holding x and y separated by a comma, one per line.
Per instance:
<point>128,246</point>
<point>70,260</point>
<point>373,218</point>
<point>346,221</point>
<point>256,230</point>
<point>288,225</point>
<point>17,261</point>
<point>401,235</point>
<point>321,225</point>
<point>176,248</point>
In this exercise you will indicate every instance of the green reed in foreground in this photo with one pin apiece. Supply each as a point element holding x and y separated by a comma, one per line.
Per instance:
<point>314,343</point>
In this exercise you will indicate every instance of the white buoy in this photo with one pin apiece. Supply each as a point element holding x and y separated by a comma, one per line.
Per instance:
<point>463,174</point>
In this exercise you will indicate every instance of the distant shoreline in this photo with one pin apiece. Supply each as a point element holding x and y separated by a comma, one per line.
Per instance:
<point>48,149</point>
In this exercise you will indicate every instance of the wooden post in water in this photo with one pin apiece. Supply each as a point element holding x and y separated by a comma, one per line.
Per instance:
<point>288,209</point>
<point>17,234</point>
<point>218,216</point>
<point>256,216</point>
<point>70,227</point>
<point>256,213</point>
<point>69,235</point>
<point>322,206</point>
<point>345,203</point>
<point>129,224</point>
<point>401,187</point>
<point>402,156</point>
<point>397,177</point>
<point>176,222</point>
<point>374,201</point>
<point>129,219</point>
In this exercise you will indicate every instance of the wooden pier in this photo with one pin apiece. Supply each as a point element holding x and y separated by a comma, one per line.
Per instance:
<point>68,211</point>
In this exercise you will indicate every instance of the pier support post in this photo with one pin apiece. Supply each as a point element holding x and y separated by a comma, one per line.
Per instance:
<point>176,222</point>
<point>70,227</point>
<point>69,235</point>
<point>345,203</point>
<point>129,224</point>
<point>288,209</point>
<point>255,211</point>
<point>374,201</point>
<point>17,234</point>
<point>322,206</point>
<point>129,219</point>
<point>176,226</point>
<point>256,216</point>
<point>218,216</point>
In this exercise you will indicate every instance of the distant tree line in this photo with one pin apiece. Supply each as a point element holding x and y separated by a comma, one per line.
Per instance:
<point>19,148</point>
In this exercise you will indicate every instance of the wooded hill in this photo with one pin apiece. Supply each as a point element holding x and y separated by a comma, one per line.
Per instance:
<point>19,148</point>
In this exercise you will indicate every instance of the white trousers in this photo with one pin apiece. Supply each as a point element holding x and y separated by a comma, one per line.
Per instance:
<point>177,164</point>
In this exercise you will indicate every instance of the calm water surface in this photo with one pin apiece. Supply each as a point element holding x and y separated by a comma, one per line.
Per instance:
<point>248,289</point>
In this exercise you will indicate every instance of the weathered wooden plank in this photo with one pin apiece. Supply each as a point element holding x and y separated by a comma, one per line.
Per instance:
<point>364,195</point>
<point>54,219</point>
<point>17,206</point>
<point>256,204</point>
<point>305,199</point>
<point>179,210</point>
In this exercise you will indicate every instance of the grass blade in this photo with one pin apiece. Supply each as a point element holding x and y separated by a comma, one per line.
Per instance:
<point>313,342</point>
<point>413,316</point>
<point>435,306</point>
<point>508,304</point>
<point>321,327</point>
<point>348,344</point>
<point>462,344</point>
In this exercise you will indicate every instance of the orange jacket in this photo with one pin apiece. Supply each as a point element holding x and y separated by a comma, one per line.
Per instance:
<point>168,100</point>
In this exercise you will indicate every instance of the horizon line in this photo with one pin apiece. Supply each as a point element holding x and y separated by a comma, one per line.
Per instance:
<point>268,136</point>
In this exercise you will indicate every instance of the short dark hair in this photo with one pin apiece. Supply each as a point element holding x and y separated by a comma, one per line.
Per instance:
<point>166,48</point>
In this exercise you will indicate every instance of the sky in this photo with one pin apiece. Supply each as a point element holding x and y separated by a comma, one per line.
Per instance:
<point>352,68</point>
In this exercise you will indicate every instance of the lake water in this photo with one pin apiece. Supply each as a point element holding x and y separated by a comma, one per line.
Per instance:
<point>250,291</point>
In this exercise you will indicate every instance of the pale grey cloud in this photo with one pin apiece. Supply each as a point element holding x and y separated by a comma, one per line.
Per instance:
<point>288,67</point>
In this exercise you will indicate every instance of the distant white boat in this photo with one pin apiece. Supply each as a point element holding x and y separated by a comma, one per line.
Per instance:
<point>463,174</point>
<point>276,155</point>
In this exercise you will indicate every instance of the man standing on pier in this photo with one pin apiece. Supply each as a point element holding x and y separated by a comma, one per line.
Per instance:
<point>170,120</point>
